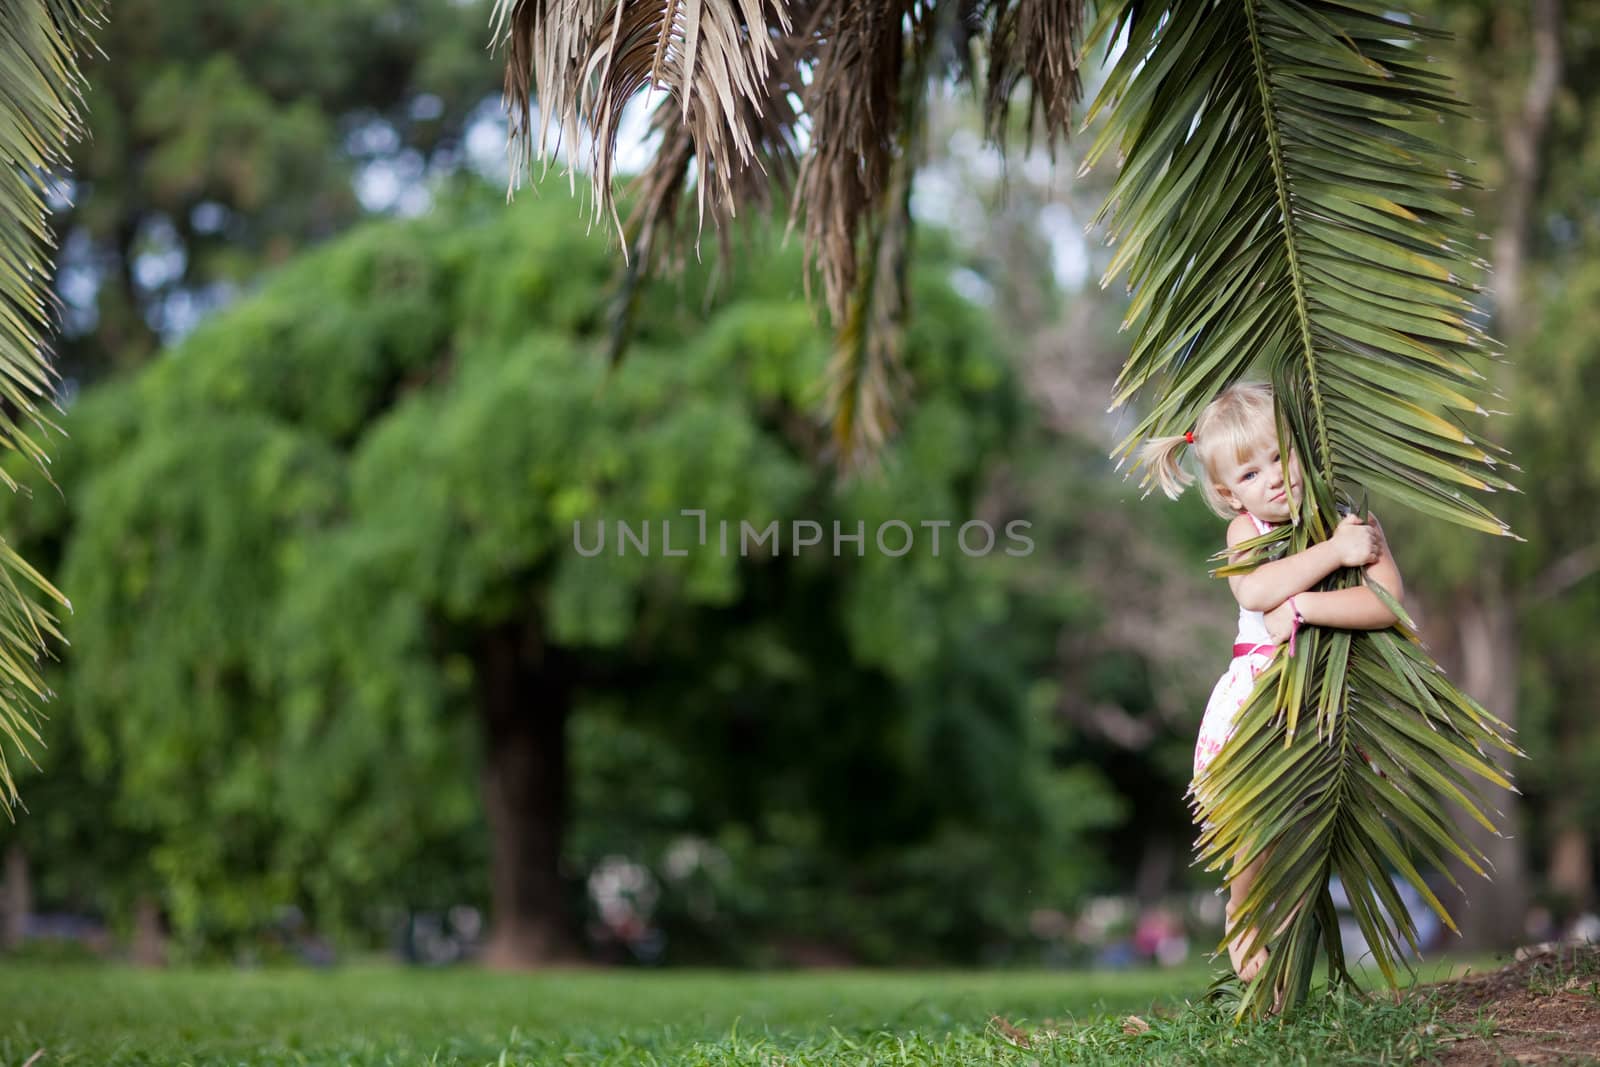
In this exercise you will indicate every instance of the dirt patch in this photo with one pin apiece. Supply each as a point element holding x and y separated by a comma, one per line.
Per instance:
<point>1542,1008</point>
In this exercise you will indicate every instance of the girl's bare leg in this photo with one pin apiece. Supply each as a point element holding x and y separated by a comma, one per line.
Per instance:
<point>1239,940</point>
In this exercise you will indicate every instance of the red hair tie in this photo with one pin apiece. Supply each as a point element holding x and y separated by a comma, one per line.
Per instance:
<point>1188,435</point>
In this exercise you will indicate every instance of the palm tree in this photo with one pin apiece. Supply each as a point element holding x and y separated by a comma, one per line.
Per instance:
<point>39,46</point>
<point>1281,206</point>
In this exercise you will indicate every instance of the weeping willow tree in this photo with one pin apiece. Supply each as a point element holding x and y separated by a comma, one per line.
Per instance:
<point>40,41</point>
<point>1283,207</point>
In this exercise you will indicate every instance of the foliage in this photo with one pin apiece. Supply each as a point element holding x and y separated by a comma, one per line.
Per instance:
<point>402,429</point>
<point>208,153</point>
<point>1282,208</point>
<point>1561,597</point>
<point>1284,204</point>
<point>226,136</point>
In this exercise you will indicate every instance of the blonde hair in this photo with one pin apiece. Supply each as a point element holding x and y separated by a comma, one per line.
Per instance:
<point>1235,423</point>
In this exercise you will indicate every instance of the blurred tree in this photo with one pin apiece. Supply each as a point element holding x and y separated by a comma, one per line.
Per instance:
<point>225,136</point>
<point>1482,602</point>
<point>325,564</point>
<point>1549,602</point>
<point>1557,580</point>
<point>220,138</point>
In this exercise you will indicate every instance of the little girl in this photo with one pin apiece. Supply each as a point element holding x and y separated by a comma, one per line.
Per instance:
<point>1246,481</point>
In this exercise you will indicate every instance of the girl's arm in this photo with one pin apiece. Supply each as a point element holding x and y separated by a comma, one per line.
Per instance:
<point>1356,608</point>
<point>1354,543</point>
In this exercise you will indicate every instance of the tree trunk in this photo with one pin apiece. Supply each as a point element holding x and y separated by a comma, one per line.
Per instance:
<point>18,903</point>
<point>1572,871</point>
<point>149,933</point>
<point>1522,141</point>
<point>1154,873</point>
<point>524,701</point>
<point>1480,648</point>
<point>1481,631</point>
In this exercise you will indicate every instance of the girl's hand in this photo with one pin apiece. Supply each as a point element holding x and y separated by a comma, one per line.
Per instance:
<point>1280,622</point>
<point>1355,543</point>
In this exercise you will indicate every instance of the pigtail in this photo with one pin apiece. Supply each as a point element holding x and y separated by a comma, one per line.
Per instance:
<point>1161,457</point>
<point>1235,419</point>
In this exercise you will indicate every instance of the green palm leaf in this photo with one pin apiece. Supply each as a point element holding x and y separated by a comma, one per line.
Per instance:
<point>1282,209</point>
<point>39,43</point>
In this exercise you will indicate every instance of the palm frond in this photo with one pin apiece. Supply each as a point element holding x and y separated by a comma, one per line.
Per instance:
<point>748,83</point>
<point>866,380</point>
<point>1282,208</point>
<point>583,60</point>
<point>39,45</point>
<point>865,104</point>
<point>1038,40</point>
<point>661,189</point>
<point>771,123</point>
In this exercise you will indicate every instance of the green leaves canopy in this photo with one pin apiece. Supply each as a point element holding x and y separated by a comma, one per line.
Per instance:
<point>1282,209</point>
<point>226,136</point>
<point>288,536</point>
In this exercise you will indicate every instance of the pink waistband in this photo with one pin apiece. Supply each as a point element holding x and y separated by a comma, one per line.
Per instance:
<point>1248,650</point>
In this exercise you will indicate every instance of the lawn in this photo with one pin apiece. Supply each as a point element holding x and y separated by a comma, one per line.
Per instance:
<point>364,1016</point>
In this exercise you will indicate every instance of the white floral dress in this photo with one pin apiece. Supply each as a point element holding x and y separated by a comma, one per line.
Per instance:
<point>1254,649</point>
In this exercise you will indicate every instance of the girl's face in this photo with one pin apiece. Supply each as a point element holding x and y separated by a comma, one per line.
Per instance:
<point>1255,483</point>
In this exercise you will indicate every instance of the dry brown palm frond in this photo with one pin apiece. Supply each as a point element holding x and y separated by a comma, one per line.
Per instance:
<point>583,60</point>
<point>852,191</point>
<point>866,378</point>
<point>772,127</point>
<point>652,228</point>
<point>1039,39</point>
<point>744,78</point>
<point>546,46</point>
<point>855,102</point>
<point>870,87</point>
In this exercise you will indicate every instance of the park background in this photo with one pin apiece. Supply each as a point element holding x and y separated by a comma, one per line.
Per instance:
<point>339,685</point>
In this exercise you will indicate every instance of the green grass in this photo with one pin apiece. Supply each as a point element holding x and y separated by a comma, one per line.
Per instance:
<point>366,1016</point>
